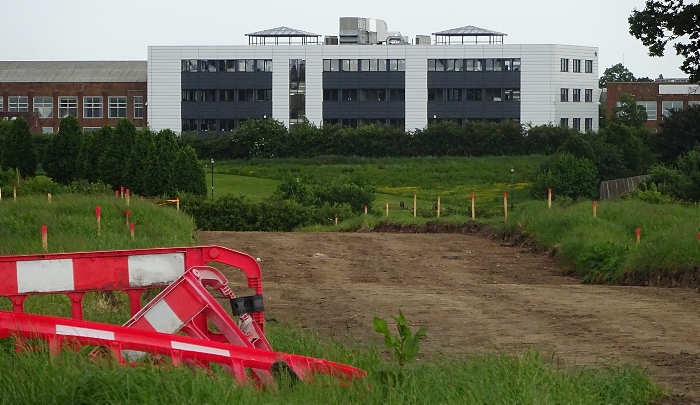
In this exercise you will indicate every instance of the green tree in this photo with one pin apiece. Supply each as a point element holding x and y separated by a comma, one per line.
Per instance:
<point>138,165</point>
<point>112,163</point>
<point>190,172</point>
<point>629,112</point>
<point>161,164</point>
<point>568,176</point>
<point>578,146</point>
<point>258,138</point>
<point>635,154</point>
<point>18,149</point>
<point>616,73</point>
<point>93,147</point>
<point>680,131</point>
<point>664,22</point>
<point>61,159</point>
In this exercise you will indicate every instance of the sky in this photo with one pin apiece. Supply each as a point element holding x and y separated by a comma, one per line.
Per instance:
<point>122,30</point>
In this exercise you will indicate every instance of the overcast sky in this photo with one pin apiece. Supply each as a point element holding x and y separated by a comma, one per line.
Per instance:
<point>122,29</point>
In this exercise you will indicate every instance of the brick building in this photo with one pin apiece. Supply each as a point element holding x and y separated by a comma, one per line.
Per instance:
<point>97,93</point>
<point>658,97</point>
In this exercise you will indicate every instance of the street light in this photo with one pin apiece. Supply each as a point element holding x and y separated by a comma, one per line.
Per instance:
<point>212,178</point>
<point>512,171</point>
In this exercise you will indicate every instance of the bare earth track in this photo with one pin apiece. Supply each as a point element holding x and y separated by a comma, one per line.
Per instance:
<point>473,295</point>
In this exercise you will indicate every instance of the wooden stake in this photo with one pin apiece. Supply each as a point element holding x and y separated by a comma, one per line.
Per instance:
<point>131,228</point>
<point>387,209</point>
<point>98,215</point>
<point>505,207</point>
<point>121,193</point>
<point>127,216</point>
<point>127,196</point>
<point>473,211</point>
<point>415,209</point>
<point>595,204</point>
<point>177,204</point>
<point>49,195</point>
<point>438,208</point>
<point>0,194</point>
<point>14,193</point>
<point>45,238</point>
<point>365,210</point>
<point>549,198</point>
<point>336,219</point>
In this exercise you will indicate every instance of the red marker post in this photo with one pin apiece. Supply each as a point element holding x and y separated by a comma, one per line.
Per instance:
<point>549,198</point>
<point>595,206</point>
<point>127,196</point>
<point>127,216</point>
<point>639,235</point>
<point>473,211</point>
<point>365,210</point>
<point>116,193</point>
<point>131,228</point>
<point>45,238</point>
<point>98,216</point>
<point>121,189</point>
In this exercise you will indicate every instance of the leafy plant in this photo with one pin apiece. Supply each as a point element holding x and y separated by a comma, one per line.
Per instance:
<point>406,344</point>
<point>603,260</point>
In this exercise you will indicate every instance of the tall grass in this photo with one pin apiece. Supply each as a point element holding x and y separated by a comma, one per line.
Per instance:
<point>482,379</point>
<point>72,225</point>
<point>606,245</point>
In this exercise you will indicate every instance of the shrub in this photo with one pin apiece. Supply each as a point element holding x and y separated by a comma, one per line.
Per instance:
<point>568,176</point>
<point>189,172</point>
<point>61,158</point>
<point>18,150</point>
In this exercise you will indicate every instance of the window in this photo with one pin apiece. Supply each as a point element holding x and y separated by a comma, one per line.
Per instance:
<point>459,65</point>
<point>690,104</point>
<point>92,107</point>
<point>372,94</point>
<point>589,95</point>
<point>189,65</point>
<point>330,65</point>
<point>87,130</point>
<point>497,65</point>
<point>330,94</point>
<point>450,65</point>
<point>589,124</point>
<point>650,107</point>
<point>263,65</point>
<point>577,124</point>
<point>564,95</point>
<point>263,95</point>
<point>138,107</point>
<point>564,65</point>
<point>377,65</point>
<point>67,106</point>
<point>589,67</point>
<point>245,95</point>
<point>364,65</point>
<point>489,65</point>
<point>117,107</point>
<point>667,106</point>
<point>231,65</point>
<point>349,94</point>
<point>44,106</point>
<point>511,64</point>
<point>227,125</point>
<point>18,104</point>
<point>189,125</point>
<point>47,130</point>
<point>208,65</point>
<point>208,125</point>
<point>349,65</point>
<point>474,65</point>
<point>454,94</point>
<point>397,95</point>
<point>577,68</point>
<point>435,95</point>
<point>512,95</point>
<point>189,95</point>
<point>207,95</point>
<point>577,95</point>
<point>1,104</point>
<point>494,95</point>
<point>564,122</point>
<point>473,95</point>
<point>399,65</point>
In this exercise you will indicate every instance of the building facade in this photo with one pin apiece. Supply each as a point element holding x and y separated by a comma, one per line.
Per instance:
<point>97,93</point>
<point>658,97</point>
<point>213,88</point>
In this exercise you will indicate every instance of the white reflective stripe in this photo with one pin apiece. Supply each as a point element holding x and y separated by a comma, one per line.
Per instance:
<point>45,275</point>
<point>85,332</point>
<point>159,269</point>
<point>199,349</point>
<point>162,318</point>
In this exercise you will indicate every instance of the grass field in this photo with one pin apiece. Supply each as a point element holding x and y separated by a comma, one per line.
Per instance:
<point>606,246</point>
<point>31,378</point>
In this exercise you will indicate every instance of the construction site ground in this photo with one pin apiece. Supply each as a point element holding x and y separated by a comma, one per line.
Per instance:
<point>474,295</point>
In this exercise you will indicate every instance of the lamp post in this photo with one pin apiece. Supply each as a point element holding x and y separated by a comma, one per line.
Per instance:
<point>512,171</point>
<point>212,178</point>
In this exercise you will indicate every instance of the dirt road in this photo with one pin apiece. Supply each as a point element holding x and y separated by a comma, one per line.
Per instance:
<point>473,295</point>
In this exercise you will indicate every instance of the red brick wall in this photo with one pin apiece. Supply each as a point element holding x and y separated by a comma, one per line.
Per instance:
<point>79,90</point>
<point>645,91</point>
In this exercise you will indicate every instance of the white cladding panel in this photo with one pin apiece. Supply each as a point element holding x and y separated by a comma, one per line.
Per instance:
<point>541,79</point>
<point>679,89</point>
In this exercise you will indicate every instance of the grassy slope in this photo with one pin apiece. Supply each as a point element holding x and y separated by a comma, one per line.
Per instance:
<point>32,378</point>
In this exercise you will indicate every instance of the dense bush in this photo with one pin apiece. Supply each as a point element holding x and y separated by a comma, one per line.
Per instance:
<point>61,157</point>
<point>680,132</point>
<point>18,150</point>
<point>567,176</point>
<point>680,181</point>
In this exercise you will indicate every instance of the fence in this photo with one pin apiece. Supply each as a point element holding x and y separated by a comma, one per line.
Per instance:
<point>614,188</point>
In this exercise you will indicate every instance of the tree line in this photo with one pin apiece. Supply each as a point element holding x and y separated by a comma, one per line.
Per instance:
<point>148,163</point>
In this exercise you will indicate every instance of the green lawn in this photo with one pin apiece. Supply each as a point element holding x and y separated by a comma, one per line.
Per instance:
<point>253,188</point>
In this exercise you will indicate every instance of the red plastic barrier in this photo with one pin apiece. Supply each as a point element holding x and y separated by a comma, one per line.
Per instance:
<point>131,271</point>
